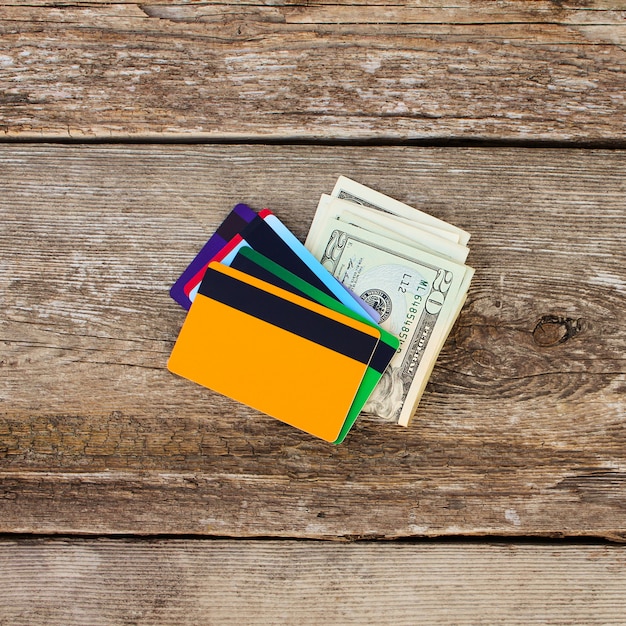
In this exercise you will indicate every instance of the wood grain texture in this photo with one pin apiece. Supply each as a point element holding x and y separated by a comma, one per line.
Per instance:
<point>522,69</point>
<point>521,430</point>
<point>251,582</point>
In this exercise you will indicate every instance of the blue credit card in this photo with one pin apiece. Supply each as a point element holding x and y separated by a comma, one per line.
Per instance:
<point>266,234</point>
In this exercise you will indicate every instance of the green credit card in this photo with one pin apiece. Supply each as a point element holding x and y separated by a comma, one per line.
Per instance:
<point>255,264</point>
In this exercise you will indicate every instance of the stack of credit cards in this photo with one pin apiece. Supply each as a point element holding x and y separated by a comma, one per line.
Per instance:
<point>292,341</point>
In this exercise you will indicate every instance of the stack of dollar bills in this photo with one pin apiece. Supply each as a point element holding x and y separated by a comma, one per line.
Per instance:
<point>409,266</point>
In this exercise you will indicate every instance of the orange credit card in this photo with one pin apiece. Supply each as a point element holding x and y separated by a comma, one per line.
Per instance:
<point>273,350</point>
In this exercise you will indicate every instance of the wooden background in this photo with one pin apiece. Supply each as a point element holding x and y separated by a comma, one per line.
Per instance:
<point>128,495</point>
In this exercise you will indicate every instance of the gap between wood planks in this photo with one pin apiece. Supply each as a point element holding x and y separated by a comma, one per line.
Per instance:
<point>378,142</point>
<point>457,540</point>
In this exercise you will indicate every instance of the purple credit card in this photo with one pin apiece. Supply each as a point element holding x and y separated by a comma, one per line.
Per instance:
<point>234,223</point>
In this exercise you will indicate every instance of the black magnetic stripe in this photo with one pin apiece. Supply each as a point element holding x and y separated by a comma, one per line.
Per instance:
<point>232,225</point>
<point>383,352</point>
<point>382,356</point>
<point>287,315</point>
<point>263,239</point>
<point>248,266</point>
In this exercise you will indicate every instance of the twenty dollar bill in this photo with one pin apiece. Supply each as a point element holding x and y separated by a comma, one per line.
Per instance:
<point>417,292</point>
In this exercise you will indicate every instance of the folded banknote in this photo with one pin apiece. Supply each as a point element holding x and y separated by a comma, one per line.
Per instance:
<point>409,266</point>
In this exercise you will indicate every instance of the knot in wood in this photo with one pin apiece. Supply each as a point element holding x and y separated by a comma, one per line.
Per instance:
<point>552,330</point>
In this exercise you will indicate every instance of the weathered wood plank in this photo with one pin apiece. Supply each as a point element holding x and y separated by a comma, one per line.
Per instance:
<point>521,430</point>
<point>511,70</point>
<point>227,582</point>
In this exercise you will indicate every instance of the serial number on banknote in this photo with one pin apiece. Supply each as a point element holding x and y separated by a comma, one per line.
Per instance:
<point>412,313</point>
